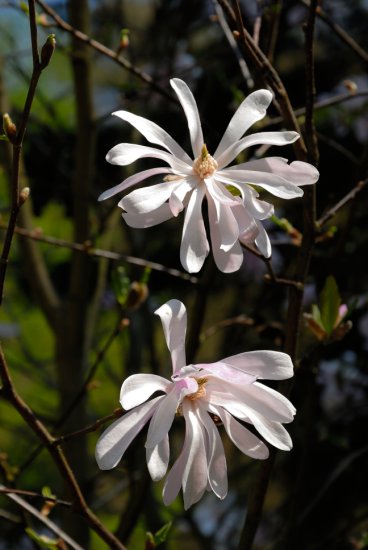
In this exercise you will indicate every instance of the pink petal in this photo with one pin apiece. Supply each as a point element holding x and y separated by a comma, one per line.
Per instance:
<point>173,317</point>
<point>139,387</point>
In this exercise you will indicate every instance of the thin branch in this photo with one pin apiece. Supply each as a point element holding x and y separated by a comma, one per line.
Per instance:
<point>331,212</point>
<point>33,494</point>
<point>340,32</point>
<point>9,392</point>
<point>233,45</point>
<point>87,248</point>
<point>116,57</point>
<point>88,429</point>
<point>41,517</point>
<point>17,143</point>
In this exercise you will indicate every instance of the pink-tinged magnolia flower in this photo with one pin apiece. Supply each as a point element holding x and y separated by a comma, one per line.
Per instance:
<point>205,395</point>
<point>234,210</point>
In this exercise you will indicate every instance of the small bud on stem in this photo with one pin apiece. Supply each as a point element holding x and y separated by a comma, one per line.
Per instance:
<point>47,50</point>
<point>23,195</point>
<point>9,127</point>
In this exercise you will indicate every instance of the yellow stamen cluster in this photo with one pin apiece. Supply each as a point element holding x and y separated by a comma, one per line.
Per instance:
<point>205,165</point>
<point>201,389</point>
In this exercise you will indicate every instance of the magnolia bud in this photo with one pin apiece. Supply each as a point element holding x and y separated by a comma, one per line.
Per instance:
<point>9,127</point>
<point>47,50</point>
<point>23,195</point>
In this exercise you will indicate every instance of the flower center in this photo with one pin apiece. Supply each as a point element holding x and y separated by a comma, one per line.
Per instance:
<point>205,165</point>
<point>201,392</point>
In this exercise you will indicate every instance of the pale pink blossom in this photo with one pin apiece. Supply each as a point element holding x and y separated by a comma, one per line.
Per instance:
<point>206,395</point>
<point>235,212</point>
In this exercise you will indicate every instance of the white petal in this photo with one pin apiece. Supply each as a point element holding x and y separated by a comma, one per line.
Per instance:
<point>217,470</point>
<point>174,478</point>
<point>195,472</point>
<point>252,109</point>
<point>179,194</point>
<point>116,439</point>
<point>224,221</point>
<point>158,459</point>
<point>248,228</point>
<point>220,194</point>
<point>143,201</point>
<point>161,214</point>
<point>173,317</point>
<point>247,442</point>
<point>139,387</point>
<point>257,208</point>
<point>154,134</point>
<point>240,401</point>
<point>162,419</point>
<point>298,172</point>
<point>262,241</point>
<point>277,185</point>
<point>270,365</point>
<point>223,370</point>
<point>194,245</point>
<point>126,153</point>
<point>273,432</point>
<point>226,261</point>
<point>133,180</point>
<point>261,138</point>
<point>191,112</point>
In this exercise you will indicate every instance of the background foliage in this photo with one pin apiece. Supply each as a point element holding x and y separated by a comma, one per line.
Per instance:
<point>64,310</point>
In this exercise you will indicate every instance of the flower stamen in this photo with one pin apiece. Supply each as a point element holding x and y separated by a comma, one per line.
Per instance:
<point>205,165</point>
<point>201,392</point>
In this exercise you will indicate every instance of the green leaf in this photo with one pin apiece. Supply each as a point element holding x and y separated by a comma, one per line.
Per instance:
<point>161,535</point>
<point>329,304</point>
<point>3,137</point>
<point>120,284</point>
<point>316,315</point>
<point>42,540</point>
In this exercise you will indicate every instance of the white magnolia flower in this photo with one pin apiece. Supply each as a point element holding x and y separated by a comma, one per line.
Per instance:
<point>205,395</point>
<point>232,219</point>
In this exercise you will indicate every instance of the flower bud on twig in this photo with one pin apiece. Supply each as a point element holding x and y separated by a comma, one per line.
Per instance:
<point>10,129</point>
<point>47,50</point>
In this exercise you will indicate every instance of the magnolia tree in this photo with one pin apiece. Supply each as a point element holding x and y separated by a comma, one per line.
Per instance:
<point>247,225</point>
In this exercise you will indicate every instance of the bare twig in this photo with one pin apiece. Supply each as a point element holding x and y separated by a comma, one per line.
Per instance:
<point>331,212</point>
<point>33,494</point>
<point>9,393</point>
<point>88,429</point>
<point>87,248</point>
<point>14,496</point>
<point>340,32</point>
<point>97,46</point>
<point>17,143</point>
